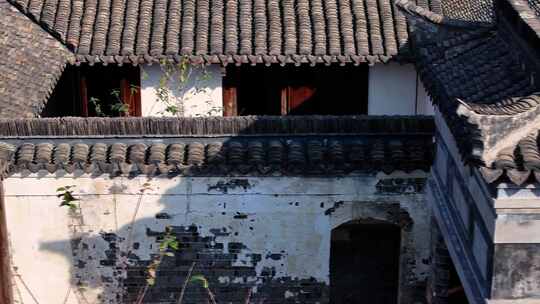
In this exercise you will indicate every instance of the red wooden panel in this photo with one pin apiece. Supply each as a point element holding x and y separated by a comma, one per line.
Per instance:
<point>230,106</point>
<point>130,91</point>
<point>298,96</point>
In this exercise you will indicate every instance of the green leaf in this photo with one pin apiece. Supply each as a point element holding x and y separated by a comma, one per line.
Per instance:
<point>120,107</point>
<point>172,109</point>
<point>68,197</point>
<point>199,278</point>
<point>115,93</point>
<point>174,244</point>
<point>61,189</point>
<point>133,89</point>
<point>163,246</point>
<point>169,254</point>
<point>151,281</point>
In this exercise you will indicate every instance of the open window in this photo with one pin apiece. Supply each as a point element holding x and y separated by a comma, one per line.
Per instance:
<point>276,90</point>
<point>96,91</point>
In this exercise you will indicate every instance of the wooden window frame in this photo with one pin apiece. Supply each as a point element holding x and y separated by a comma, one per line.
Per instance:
<point>127,95</point>
<point>131,98</point>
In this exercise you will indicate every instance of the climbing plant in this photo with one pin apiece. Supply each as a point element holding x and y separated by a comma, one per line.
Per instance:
<point>178,83</point>
<point>169,246</point>
<point>117,108</point>
<point>65,193</point>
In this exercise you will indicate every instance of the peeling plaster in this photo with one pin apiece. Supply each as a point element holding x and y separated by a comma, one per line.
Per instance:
<point>274,232</point>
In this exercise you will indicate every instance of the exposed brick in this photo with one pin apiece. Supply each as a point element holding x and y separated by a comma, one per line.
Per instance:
<point>215,263</point>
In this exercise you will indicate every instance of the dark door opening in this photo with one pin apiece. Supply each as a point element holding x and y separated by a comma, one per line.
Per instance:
<point>364,263</point>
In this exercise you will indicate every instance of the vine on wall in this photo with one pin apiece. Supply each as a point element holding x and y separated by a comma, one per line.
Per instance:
<point>178,84</point>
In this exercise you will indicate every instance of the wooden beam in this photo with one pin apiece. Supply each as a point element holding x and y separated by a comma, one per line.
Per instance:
<point>6,291</point>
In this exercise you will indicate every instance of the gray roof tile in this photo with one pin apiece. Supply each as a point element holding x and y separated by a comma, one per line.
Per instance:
<point>315,155</point>
<point>31,61</point>
<point>481,82</point>
<point>217,146</point>
<point>226,31</point>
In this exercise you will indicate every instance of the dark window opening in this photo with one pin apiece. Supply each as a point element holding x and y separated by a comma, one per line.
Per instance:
<point>291,90</point>
<point>96,91</point>
<point>364,263</point>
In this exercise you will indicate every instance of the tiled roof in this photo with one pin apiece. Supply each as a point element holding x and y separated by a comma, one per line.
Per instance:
<point>39,37</point>
<point>238,156</point>
<point>31,61</point>
<point>222,146</point>
<point>226,31</point>
<point>479,79</point>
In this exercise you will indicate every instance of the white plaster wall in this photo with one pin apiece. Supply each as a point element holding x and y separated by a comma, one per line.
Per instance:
<point>395,89</point>
<point>284,215</point>
<point>200,95</point>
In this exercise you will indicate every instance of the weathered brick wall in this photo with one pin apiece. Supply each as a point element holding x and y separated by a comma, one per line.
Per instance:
<point>216,261</point>
<point>266,236</point>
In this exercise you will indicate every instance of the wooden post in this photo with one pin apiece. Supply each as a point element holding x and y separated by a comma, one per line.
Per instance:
<point>284,100</point>
<point>6,291</point>
<point>230,105</point>
<point>84,96</point>
<point>130,93</point>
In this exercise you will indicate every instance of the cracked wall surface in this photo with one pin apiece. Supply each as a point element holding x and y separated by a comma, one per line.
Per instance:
<point>263,238</point>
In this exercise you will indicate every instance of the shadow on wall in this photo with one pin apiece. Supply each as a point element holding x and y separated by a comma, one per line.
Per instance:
<point>226,242</point>
<point>245,246</point>
<point>120,265</point>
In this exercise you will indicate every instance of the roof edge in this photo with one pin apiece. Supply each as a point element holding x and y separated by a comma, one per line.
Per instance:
<point>258,156</point>
<point>208,126</point>
<point>499,132</point>
<point>506,107</point>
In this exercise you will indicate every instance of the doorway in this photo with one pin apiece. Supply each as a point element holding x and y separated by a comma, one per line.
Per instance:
<point>364,263</point>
